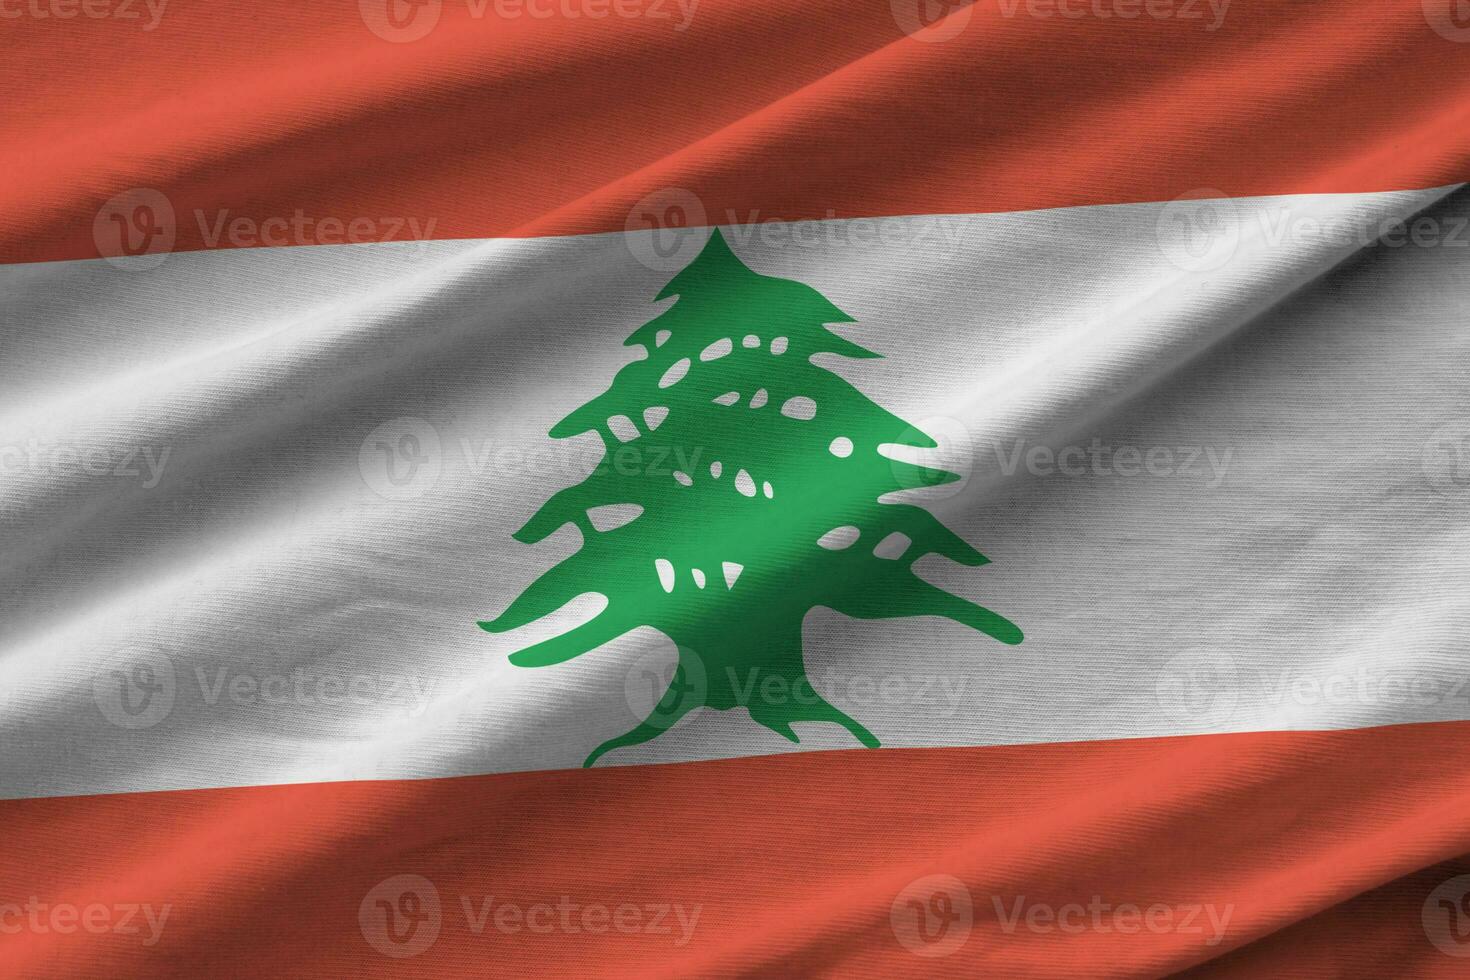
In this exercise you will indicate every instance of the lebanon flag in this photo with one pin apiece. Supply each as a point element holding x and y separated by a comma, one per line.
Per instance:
<point>713,488</point>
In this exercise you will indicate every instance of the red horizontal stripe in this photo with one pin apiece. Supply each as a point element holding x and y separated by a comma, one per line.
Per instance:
<point>242,115</point>
<point>1321,849</point>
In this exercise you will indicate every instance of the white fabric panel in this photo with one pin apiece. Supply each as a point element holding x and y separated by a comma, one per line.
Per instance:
<point>1263,524</point>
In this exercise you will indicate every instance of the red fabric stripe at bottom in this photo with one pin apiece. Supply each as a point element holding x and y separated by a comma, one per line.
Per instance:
<point>1266,854</point>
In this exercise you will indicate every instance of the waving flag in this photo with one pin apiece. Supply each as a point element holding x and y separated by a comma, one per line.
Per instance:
<point>708,488</point>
